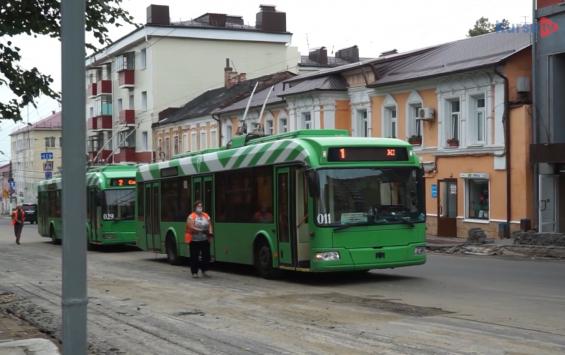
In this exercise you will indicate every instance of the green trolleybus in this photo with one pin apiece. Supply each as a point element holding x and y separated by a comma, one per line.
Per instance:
<point>311,200</point>
<point>110,206</point>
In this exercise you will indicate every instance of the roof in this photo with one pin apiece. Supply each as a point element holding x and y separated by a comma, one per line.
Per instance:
<point>257,100</point>
<point>52,122</point>
<point>5,168</point>
<point>466,54</point>
<point>305,61</point>
<point>325,83</point>
<point>218,98</point>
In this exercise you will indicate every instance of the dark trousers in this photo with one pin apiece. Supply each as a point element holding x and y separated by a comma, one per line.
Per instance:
<point>18,231</point>
<point>199,256</point>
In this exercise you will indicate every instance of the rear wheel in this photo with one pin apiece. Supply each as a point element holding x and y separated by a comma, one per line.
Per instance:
<point>171,249</point>
<point>53,236</point>
<point>264,261</point>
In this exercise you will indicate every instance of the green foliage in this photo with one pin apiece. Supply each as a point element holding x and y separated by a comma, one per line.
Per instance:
<point>43,18</point>
<point>483,26</point>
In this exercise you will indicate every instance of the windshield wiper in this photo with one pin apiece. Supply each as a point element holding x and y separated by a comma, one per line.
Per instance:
<point>345,226</point>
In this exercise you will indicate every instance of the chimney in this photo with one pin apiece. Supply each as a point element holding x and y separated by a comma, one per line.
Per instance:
<point>350,54</point>
<point>319,55</point>
<point>216,20</point>
<point>387,53</point>
<point>158,15</point>
<point>232,77</point>
<point>270,20</point>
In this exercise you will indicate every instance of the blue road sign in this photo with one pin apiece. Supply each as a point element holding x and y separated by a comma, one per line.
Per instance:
<point>434,190</point>
<point>47,156</point>
<point>48,174</point>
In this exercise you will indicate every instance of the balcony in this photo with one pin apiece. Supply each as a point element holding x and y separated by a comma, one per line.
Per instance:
<point>92,90</point>
<point>127,117</point>
<point>104,87</point>
<point>104,154</point>
<point>126,78</point>
<point>126,154</point>
<point>98,123</point>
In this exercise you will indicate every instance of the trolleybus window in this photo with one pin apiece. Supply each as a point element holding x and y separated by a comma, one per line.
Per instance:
<point>119,204</point>
<point>370,196</point>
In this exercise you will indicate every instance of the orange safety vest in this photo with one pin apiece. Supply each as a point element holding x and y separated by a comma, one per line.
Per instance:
<point>15,216</point>
<point>188,232</point>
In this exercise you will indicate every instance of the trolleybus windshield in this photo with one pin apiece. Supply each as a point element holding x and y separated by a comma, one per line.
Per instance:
<point>369,196</point>
<point>119,204</point>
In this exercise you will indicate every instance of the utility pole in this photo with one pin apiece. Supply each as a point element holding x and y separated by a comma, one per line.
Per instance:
<point>74,178</point>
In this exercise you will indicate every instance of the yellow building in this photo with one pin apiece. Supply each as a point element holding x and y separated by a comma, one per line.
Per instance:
<point>36,154</point>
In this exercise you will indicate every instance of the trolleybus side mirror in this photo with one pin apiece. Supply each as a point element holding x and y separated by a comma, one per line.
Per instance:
<point>313,183</point>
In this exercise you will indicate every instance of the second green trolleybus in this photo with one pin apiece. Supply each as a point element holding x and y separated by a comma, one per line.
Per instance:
<point>110,206</point>
<point>312,200</point>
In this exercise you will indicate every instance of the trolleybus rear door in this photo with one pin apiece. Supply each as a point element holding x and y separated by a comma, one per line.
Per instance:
<point>286,233</point>
<point>153,216</point>
<point>202,189</point>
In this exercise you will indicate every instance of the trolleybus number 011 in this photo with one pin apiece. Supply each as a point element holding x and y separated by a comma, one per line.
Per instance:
<point>324,218</point>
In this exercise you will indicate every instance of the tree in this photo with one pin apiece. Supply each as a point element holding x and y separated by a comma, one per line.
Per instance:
<point>43,18</point>
<point>483,26</point>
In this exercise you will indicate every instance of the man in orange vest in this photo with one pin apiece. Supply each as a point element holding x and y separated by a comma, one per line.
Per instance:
<point>18,218</point>
<point>197,236</point>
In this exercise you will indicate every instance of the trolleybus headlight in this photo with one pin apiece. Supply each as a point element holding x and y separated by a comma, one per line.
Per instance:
<point>109,236</point>
<point>419,250</point>
<point>327,256</point>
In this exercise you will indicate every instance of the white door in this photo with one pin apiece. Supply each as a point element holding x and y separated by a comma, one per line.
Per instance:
<point>547,204</point>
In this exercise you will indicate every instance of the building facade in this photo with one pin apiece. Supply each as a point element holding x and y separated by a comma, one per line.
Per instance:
<point>5,203</point>
<point>163,64</point>
<point>548,131</point>
<point>464,105</point>
<point>36,155</point>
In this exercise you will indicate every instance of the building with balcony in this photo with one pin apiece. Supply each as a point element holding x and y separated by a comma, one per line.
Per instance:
<point>547,150</point>
<point>164,64</point>
<point>36,155</point>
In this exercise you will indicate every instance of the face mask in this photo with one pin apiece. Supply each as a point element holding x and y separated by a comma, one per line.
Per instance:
<point>198,209</point>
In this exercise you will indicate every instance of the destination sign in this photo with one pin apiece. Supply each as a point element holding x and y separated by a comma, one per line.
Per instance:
<point>367,154</point>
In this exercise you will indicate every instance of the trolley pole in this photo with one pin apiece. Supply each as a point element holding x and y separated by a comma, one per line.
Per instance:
<point>74,178</point>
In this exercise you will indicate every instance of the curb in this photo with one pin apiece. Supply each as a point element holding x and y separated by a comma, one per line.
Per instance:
<point>527,251</point>
<point>36,346</point>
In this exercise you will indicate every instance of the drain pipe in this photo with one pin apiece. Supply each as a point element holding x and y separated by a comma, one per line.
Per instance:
<point>506,123</point>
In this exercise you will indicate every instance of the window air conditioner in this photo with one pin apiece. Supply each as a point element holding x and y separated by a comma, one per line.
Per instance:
<point>425,113</point>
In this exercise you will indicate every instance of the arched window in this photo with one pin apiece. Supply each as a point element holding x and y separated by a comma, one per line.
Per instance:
<point>390,118</point>
<point>414,126</point>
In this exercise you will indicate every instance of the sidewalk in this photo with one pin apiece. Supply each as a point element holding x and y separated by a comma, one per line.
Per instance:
<point>460,246</point>
<point>19,337</point>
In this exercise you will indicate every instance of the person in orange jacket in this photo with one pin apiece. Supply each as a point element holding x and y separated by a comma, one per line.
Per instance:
<point>197,236</point>
<point>18,218</point>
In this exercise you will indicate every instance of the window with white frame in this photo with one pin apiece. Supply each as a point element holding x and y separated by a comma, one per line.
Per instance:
<point>477,197</point>
<point>228,132</point>
<point>213,138</point>
<point>185,142</point>
<point>453,121</point>
<point>414,124</point>
<point>167,148</point>
<point>390,122</point>
<point>120,105</point>
<point>477,119</point>
<point>203,140</point>
<point>144,100</point>
<point>193,141</point>
<point>362,123</point>
<point>306,120</point>
<point>269,127</point>
<point>176,145</point>
<point>283,125</point>
<point>144,141</point>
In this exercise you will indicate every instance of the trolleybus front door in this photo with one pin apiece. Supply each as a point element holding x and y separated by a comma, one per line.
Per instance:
<point>152,225</point>
<point>286,232</point>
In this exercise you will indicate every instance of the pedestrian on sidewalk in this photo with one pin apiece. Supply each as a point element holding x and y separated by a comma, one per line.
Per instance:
<point>18,219</point>
<point>197,236</point>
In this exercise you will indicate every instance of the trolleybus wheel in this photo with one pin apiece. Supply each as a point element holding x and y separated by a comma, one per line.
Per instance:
<point>264,260</point>
<point>171,249</point>
<point>53,236</point>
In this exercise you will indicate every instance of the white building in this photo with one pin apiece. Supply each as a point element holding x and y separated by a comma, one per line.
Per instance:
<point>164,64</point>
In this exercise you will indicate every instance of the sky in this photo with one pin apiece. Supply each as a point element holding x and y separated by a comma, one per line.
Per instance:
<point>375,26</point>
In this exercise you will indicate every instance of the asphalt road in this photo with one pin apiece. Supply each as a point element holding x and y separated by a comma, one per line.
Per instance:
<point>139,304</point>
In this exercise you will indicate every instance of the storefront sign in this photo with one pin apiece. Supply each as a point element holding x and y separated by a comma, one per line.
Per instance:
<point>474,175</point>
<point>434,190</point>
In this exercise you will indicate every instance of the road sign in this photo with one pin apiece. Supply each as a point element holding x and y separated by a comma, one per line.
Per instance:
<point>47,156</point>
<point>48,175</point>
<point>12,184</point>
<point>434,190</point>
<point>48,165</point>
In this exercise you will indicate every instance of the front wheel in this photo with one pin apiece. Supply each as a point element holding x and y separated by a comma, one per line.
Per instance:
<point>264,261</point>
<point>171,249</point>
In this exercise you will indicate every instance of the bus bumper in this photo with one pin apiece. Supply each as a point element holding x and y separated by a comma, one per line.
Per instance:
<point>370,258</point>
